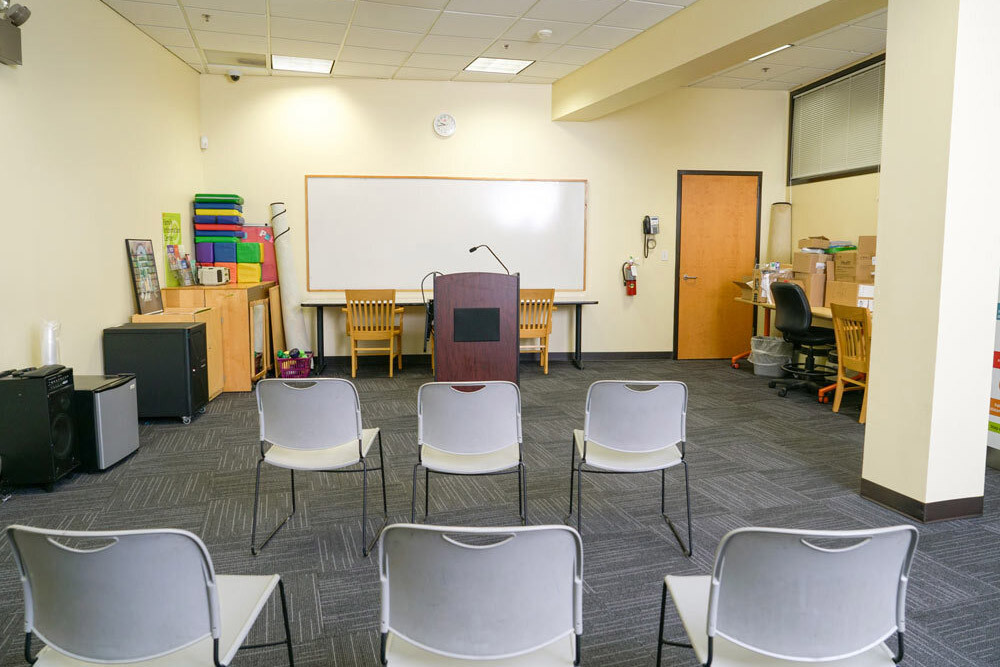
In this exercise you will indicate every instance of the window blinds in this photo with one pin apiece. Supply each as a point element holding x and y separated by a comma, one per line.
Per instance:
<point>837,127</point>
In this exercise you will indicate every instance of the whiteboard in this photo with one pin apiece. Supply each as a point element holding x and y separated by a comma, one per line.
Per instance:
<point>372,232</point>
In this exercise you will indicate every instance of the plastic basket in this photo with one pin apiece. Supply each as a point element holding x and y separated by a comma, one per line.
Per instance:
<point>295,368</point>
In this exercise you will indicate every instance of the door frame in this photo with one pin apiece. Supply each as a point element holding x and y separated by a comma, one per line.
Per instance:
<point>677,244</point>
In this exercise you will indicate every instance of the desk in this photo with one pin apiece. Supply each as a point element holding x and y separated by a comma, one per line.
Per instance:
<point>319,305</point>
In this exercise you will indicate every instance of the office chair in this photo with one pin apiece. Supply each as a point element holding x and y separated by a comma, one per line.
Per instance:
<point>793,318</point>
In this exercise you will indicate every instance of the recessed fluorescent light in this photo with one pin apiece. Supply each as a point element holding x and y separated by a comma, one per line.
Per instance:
<point>497,65</point>
<point>293,64</point>
<point>780,48</point>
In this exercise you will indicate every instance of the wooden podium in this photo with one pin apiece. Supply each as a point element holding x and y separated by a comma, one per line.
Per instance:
<point>476,327</point>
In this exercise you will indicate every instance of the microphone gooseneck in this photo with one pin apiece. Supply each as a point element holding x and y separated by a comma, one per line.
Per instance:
<point>474,249</point>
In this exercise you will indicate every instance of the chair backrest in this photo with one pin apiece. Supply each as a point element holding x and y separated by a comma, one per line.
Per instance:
<point>636,416</point>
<point>308,414</point>
<point>481,593</point>
<point>810,595</point>
<point>792,311</point>
<point>120,596</point>
<point>370,311</point>
<point>469,417</point>
<point>536,311</point>
<point>853,327</point>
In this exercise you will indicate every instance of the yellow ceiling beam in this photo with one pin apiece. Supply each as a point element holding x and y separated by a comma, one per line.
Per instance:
<point>708,36</point>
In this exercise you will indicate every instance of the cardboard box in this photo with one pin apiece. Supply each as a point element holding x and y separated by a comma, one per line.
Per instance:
<point>814,242</point>
<point>850,267</point>
<point>814,285</point>
<point>850,294</point>
<point>810,262</point>
<point>866,246</point>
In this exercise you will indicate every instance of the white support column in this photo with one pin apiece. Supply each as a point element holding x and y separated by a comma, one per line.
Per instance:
<point>938,259</point>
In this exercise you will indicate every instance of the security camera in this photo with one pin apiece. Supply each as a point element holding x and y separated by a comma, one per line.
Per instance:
<point>234,75</point>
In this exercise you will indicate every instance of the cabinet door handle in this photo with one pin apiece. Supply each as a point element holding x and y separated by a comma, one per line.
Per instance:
<point>687,277</point>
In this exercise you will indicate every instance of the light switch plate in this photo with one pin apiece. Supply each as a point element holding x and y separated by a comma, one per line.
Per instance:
<point>664,256</point>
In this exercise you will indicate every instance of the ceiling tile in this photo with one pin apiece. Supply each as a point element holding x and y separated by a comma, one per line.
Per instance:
<point>875,20</point>
<point>303,49</point>
<point>424,74</point>
<point>723,82</point>
<point>146,13</point>
<point>755,71</point>
<point>221,21</point>
<point>638,15</point>
<point>460,24</point>
<point>520,50</point>
<point>394,17</point>
<point>520,78</point>
<point>376,38</point>
<point>359,54</point>
<point>187,54</point>
<point>224,41</point>
<point>802,75</point>
<point>525,30</point>
<point>245,6</point>
<point>169,36</point>
<point>603,37</point>
<point>331,11</point>
<point>454,46</point>
<point>426,4</point>
<point>770,85</point>
<point>310,31</point>
<point>506,7</point>
<point>244,71</point>
<point>675,3</point>
<point>575,55</point>
<point>547,69</point>
<point>363,70</point>
<point>581,11</point>
<point>807,56</point>
<point>483,76</point>
<point>851,38</point>
<point>436,61</point>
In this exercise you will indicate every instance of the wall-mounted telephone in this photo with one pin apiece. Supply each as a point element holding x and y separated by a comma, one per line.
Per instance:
<point>650,227</point>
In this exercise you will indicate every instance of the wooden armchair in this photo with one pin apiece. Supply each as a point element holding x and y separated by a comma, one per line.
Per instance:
<point>536,322</point>
<point>853,328</point>
<point>372,316</point>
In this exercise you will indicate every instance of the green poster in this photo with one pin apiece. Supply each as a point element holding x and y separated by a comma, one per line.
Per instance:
<point>171,237</point>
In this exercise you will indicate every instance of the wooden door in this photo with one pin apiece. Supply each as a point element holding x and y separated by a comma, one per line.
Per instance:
<point>718,233</point>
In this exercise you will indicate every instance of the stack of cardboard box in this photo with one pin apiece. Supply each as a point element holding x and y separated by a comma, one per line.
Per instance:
<point>810,269</point>
<point>852,280</point>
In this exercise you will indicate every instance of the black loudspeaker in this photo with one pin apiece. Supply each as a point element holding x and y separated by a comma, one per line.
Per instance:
<point>37,436</point>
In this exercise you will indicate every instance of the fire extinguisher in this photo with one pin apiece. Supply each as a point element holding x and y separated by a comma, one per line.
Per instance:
<point>630,276</point>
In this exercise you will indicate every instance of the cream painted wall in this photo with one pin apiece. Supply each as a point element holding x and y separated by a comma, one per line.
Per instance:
<point>101,137</point>
<point>841,209</point>
<point>265,134</point>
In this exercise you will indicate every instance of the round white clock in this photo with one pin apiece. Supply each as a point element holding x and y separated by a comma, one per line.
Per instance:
<point>444,124</point>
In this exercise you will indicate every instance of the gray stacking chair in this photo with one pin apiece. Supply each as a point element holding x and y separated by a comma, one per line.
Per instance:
<point>632,427</point>
<point>783,597</point>
<point>134,596</point>
<point>315,425</point>
<point>469,428</point>
<point>510,596</point>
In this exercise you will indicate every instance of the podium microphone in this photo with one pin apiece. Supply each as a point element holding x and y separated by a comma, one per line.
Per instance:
<point>474,249</point>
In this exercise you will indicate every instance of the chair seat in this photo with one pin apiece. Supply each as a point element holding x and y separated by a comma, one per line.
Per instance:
<point>813,336</point>
<point>690,595</point>
<point>606,458</point>
<point>240,600</point>
<point>328,458</point>
<point>401,653</point>
<point>469,464</point>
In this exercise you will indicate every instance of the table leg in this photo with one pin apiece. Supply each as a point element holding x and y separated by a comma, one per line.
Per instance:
<point>320,348</point>
<point>578,350</point>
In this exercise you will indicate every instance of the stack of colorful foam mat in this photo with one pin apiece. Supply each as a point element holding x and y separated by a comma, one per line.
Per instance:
<point>219,237</point>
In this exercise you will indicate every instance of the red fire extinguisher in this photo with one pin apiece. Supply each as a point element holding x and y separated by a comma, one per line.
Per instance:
<point>630,276</point>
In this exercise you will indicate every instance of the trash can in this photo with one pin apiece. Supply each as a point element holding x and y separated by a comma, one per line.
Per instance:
<point>768,355</point>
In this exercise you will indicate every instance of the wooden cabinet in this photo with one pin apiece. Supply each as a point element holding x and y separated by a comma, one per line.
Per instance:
<point>213,337</point>
<point>245,355</point>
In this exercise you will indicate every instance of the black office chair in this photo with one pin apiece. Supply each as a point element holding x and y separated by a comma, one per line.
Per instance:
<point>793,318</point>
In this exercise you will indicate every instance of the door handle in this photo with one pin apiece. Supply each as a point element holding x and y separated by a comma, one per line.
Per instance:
<point>687,277</point>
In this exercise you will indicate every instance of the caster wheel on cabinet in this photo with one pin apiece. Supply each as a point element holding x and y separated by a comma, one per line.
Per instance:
<point>772,384</point>
<point>783,392</point>
<point>186,420</point>
<point>201,410</point>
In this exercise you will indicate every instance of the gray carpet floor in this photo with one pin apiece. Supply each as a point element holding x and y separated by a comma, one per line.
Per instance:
<point>755,459</point>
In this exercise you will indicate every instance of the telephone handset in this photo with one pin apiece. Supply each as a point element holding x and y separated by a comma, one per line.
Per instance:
<point>651,224</point>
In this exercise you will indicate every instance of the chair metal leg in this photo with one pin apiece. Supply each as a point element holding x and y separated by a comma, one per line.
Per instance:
<point>427,492</point>
<point>687,494</point>
<point>522,492</point>
<point>364,508</point>
<point>579,497</point>
<point>659,641</point>
<point>254,549</point>
<point>284,615</point>
<point>572,463</point>
<point>413,500</point>
<point>381,465</point>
